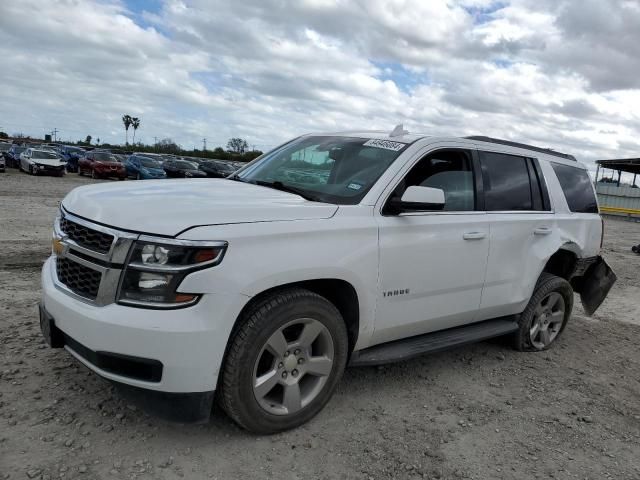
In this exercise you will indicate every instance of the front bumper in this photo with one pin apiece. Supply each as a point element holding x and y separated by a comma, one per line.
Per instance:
<point>109,172</point>
<point>189,343</point>
<point>50,169</point>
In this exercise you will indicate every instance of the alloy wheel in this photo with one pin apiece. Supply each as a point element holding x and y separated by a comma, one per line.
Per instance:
<point>547,320</point>
<point>293,366</point>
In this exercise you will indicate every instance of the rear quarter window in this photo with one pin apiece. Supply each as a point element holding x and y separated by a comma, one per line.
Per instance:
<point>577,188</point>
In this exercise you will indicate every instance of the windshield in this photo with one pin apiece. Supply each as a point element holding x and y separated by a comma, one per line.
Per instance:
<point>184,165</point>
<point>337,170</point>
<point>74,150</point>
<point>19,149</point>
<point>43,155</point>
<point>149,163</point>
<point>104,157</point>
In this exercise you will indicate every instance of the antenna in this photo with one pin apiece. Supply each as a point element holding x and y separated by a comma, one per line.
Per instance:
<point>398,131</point>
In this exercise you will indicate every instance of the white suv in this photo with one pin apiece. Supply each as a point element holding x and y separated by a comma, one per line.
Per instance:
<point>346,248</point>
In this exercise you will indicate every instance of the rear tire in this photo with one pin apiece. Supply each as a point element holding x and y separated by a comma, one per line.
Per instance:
<point>546,315</point>
<point>283,362</point>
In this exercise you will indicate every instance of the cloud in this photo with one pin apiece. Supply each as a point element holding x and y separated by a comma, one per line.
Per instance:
<point>561,74</point>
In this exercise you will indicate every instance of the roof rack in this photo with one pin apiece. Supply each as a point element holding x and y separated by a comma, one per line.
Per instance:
<point>547,151</point>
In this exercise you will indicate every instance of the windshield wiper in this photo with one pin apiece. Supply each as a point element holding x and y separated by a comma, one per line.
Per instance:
<point>235,177</point>
<point>289,189</point>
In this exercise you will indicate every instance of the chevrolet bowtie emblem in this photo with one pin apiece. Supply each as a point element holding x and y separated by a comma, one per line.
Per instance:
<point>58,246</point>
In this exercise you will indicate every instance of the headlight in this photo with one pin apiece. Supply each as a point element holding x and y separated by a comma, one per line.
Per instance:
<point>156,267</point>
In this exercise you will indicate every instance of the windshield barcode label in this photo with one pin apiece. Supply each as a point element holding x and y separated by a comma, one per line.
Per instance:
<point>386,144</point>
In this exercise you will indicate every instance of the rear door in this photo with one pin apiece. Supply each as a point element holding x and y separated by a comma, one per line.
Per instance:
<point>523,230</point>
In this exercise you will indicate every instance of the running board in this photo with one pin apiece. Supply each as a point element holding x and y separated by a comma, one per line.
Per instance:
<point>433,342</point>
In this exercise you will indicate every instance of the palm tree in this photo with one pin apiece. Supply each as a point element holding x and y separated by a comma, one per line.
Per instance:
<point>126,119</point>
<point>135,123</point>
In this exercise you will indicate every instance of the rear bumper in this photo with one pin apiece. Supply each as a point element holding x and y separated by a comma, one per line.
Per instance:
<point>594,283</point>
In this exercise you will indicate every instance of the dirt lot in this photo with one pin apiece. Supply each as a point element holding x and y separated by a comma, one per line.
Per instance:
<point>480,412</point>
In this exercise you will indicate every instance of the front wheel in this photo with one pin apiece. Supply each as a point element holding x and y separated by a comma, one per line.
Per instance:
<point>284,361</point>
<point>546,315</point>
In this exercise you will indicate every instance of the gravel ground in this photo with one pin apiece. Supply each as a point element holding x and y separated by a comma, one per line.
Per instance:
<point>482,412</point>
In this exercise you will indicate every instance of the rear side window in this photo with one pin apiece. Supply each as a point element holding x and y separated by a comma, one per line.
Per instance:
<point>510,183</point>
<point>577,188</point>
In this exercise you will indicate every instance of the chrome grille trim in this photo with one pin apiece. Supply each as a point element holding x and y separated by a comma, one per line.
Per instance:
<point>110,264</point>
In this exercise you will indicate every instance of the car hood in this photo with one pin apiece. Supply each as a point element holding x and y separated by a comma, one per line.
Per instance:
<point>53,162</point>
<point>168,207</point>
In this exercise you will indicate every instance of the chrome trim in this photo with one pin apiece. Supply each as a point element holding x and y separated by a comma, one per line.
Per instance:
<point>120,245</point>
<point>143,267</point>
<point>183,243</point>
<point>115,257</point>
<point>159,306</point>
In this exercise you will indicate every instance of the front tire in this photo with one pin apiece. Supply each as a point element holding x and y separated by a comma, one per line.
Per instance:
<point>546,315</point>
<point>284,361</point>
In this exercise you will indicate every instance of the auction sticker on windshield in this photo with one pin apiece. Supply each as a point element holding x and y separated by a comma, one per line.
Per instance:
<point>386,144</point>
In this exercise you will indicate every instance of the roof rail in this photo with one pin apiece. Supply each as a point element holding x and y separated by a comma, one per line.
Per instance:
<point>547,151</point>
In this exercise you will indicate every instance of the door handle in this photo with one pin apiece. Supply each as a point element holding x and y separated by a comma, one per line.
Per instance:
<point>542,231</point>
<point>474,235</point>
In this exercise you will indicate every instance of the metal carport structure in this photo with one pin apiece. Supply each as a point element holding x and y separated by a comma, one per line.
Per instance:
<point>614,197</point>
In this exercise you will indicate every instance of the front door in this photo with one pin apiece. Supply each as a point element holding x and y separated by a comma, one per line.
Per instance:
<point>432,263</point>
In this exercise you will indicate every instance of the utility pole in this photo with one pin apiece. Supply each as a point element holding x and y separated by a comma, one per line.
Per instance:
<point>204,144</point>
<point>54,132</point>
<point>155,143</point>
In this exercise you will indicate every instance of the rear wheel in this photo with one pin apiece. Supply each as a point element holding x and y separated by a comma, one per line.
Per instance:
<point>284,361</point>
<point>546,315</point>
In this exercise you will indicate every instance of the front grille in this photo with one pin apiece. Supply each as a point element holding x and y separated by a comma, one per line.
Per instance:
<point>79,279</point>
<point>86,237</point>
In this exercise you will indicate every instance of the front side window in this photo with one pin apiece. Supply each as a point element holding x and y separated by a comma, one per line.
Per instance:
<point>507,185</point>
<point>577,188</point>
<point>330,169</point>
<point>448,170</point>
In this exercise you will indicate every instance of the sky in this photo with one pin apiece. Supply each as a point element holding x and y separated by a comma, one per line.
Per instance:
<point>562,74</point>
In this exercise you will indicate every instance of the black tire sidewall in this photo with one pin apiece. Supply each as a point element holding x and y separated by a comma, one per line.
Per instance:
<point>546,284</point>
<point>237,385</point>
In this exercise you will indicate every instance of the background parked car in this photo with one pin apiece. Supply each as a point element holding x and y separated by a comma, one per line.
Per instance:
<point>182,169</point>
<point>217,168</point>
<point>143,168</point>
<point>37,162</point>
<point>100,164</point>
<point>71,154</point>
<point>13,156</point>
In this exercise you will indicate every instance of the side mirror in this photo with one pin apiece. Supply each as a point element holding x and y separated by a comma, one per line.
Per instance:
<point>416,198</point>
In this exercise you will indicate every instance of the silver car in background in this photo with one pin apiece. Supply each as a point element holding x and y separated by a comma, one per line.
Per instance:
<point>41,162</point>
